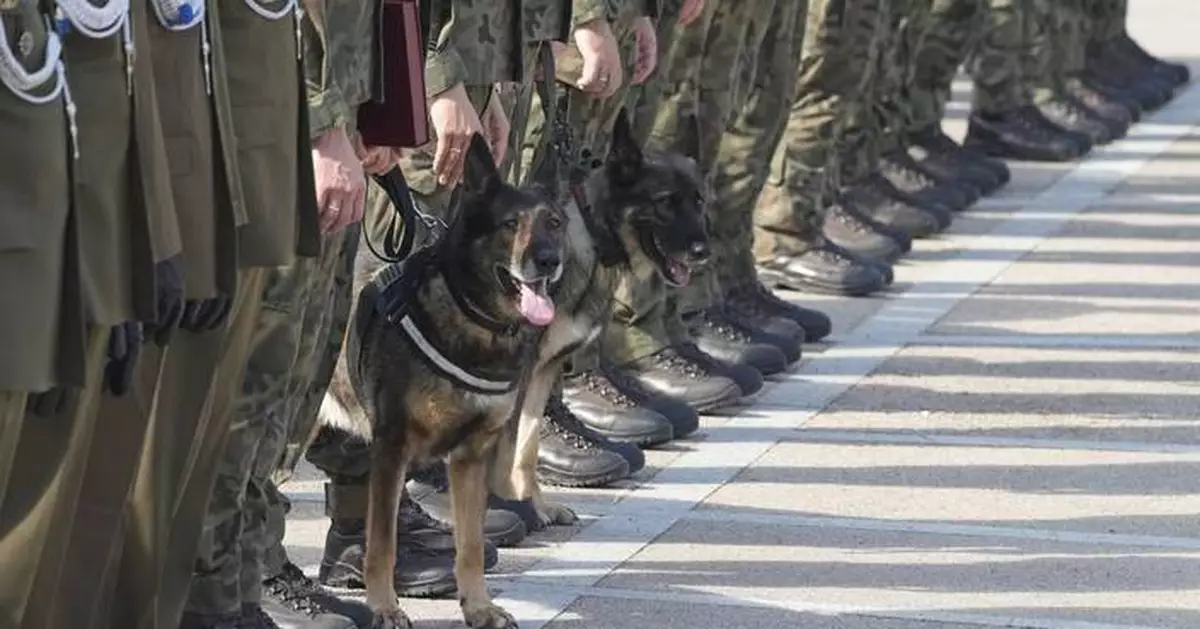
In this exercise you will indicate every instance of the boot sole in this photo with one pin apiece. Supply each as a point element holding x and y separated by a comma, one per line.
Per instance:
<point>354,583</point>
<point>666,434</point>
<point>509,538</point>
<point>562,479</point>
<point>782,280</point>
<point>1019,156</point>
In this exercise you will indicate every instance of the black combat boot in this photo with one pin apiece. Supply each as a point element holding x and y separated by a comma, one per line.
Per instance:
<point>1123,95</point>
<point>670,374</point>
<point>757,302</point>
<point>601,406</point>
<point>573,455</point>
<point>847,227</point>
<point>1109,110</point>
<point>1177,74</point>
<point>748,379</point>
<point>291,599</point>
<point>1150,90</point>
<point>724,336</point>
<point>1015,135</point>
<point>429,487</point>
<point>903,172</point>
<point>684,419</point>
<point>878,199</point>
<point>424,555</point>
<point>941,155</point>
<point>1067,114</point>
<point>823,267</point>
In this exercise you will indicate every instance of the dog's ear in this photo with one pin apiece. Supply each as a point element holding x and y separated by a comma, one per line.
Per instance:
<point>625,154</point>
<point>688,142</point>
<point>479,172</point>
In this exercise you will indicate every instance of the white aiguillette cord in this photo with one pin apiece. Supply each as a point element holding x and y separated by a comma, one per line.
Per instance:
<point>22,82</point>
<point>182,15</point>
<point>271,15</point>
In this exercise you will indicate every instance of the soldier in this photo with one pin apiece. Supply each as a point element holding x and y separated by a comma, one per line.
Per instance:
<point>954,25</point>
<point>128,242</point>
<point>1004,121</point>
<point>1118,66</point>
<point>802,209</point>
<point>256,97</point>
<point>38,243</point>
<point>1058,50</point>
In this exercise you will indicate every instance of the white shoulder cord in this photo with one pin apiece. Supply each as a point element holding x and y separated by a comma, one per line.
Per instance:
<point>22,82</point>
<point>98,22</point>
<point>289,6</point>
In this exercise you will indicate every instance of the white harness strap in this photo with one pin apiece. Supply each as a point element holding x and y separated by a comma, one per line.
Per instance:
<point>446,366</point>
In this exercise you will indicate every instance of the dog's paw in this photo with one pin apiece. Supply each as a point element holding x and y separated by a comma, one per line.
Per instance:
<point>557,514</point>
<point>391,619</point>
<point>487,616</point>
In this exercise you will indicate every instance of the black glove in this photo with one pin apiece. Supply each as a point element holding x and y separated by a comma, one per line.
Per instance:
<point>168,282</point>
<point>49,403</point>
<point>124,347</point>
<point>205,315</point>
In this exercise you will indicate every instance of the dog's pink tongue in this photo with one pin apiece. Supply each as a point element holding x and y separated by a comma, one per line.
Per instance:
<point>537,309</point>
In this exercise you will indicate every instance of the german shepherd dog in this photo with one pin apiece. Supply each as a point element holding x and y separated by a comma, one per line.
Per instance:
<point>521,283</point>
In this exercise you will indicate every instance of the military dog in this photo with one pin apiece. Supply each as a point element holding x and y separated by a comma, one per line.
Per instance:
<point>640,214</point>
<point>435,370</point>
<point>521,283</point>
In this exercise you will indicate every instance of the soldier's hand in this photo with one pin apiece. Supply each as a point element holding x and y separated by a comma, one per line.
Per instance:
<point>646,57</point>
<point>168,283</point>
<point>49,403</point>
<point>375,160</point>
<point>690,11</point>
<point>206,315</point>
<point>602,73</point>
<point>455,121</point>
<point>496,129</point>
<point>341,184</point>
<point>124,347</point>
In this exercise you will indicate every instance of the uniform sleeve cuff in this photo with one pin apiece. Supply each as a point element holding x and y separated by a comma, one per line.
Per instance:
<point>443,70</point>
<point>326,110</point>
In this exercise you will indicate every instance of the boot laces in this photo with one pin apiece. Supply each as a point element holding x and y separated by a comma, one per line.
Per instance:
<point>673,362</point>
<point>723,327</point>
<point>849,220</point>
<point>296,591</point>
<point>601,385</point>
<point>562,422</point>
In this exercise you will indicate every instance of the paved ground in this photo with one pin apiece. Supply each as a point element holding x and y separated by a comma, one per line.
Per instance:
<point>1008,440</point>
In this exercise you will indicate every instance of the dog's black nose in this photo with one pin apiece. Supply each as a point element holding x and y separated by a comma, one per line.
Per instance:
<point>699,252</point>
<point>546,261</point>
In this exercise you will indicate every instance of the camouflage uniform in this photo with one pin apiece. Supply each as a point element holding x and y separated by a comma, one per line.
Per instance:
<point>459,55</point>
<point>339,44</point>
<point>825,125</point>
<point>997,65</point>
<point>953,28</point>
<point>1106,19</point>
<point>753,133</point>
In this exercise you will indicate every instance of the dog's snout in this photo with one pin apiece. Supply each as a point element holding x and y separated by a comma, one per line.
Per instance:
<point>546,261</point>
<point>699,251</point>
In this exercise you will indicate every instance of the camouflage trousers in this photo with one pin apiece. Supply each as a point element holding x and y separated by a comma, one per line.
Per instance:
<point>954,26</point>
<point>824,127</point>
<point>998,62</point>
<point>862,131</point>
<point>288,334</point>
<point>1105,19</point>
<point>1058,42</point>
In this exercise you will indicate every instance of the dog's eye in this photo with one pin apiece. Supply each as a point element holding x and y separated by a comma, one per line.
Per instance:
<point>554,222</point>
<point>511,224</point>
